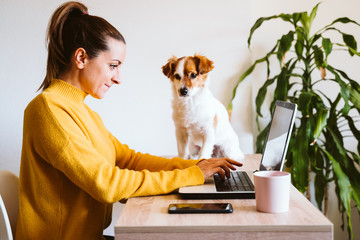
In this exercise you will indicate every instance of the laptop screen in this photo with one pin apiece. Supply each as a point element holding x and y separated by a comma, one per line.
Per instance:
<point>277,139</point>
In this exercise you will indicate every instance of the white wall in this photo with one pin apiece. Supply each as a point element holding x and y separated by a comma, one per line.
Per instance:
<point>138,111</point>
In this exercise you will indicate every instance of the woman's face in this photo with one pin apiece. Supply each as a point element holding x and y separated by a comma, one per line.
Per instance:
<point>101,72</point>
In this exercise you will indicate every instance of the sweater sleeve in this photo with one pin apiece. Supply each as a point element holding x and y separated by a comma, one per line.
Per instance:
<point>59,141</point>
<point>106,183</point>
<point>129,159</point>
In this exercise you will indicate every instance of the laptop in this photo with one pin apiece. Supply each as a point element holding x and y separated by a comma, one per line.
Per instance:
<point>273,156</point>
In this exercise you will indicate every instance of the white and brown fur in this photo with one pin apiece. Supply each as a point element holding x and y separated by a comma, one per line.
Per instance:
<point>202,123</point>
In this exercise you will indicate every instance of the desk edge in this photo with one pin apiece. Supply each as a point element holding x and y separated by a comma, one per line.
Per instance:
<point>229,228</point>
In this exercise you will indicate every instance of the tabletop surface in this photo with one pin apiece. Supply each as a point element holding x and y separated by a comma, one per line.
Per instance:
<point>149,214</point>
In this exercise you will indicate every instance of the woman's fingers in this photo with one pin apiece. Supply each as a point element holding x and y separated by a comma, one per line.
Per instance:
<point>233,162</point>
<point>225,170</point>
<point>221,173</point>
<point>222,166</point>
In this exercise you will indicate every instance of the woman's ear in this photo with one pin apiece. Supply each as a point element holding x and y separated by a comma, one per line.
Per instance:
<point>80,57</point>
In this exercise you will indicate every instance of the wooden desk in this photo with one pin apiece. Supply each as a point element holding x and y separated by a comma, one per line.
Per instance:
<point>147,218</point>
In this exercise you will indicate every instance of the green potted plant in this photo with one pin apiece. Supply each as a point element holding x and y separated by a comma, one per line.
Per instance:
<point>317,143</point>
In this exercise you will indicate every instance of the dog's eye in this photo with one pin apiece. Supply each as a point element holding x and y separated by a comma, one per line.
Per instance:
<point>177,76</point>
<point>193,75</point>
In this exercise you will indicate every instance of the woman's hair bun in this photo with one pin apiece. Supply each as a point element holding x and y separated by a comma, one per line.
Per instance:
<point>78,11</point>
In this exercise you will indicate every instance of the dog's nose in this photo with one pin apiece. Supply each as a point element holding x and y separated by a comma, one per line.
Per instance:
<point>183,91</point>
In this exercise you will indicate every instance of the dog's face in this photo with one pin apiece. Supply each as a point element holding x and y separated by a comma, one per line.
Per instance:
<point>188,74</point>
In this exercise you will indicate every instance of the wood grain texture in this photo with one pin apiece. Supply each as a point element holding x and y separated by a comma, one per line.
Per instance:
<point>226,235</point>
<point>148,217</point>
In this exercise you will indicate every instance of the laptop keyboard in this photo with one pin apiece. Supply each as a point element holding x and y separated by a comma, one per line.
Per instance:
<point>238,181</point>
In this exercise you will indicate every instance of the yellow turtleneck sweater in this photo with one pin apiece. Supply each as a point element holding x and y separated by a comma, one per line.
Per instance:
<point>73,169</point>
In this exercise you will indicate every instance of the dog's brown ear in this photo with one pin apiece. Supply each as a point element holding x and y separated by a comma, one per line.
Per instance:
<point>204,64</point>
<point>169,68</point>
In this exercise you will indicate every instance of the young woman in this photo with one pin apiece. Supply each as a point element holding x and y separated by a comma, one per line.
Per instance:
<point>72,168</point>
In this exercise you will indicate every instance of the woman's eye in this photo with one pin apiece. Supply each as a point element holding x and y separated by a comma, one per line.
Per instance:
<point>177,76</point>
<point>113,66</point>
<point>193,75</point>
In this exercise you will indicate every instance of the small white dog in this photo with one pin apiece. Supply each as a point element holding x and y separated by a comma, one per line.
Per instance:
<point>202,123</point>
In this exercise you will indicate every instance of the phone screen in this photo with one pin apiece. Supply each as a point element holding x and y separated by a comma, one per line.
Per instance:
<point>201,208</point>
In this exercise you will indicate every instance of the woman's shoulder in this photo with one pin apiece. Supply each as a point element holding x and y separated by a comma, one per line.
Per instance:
<point>42,100</point>
<point>46,104</point>
<point>37,102</point>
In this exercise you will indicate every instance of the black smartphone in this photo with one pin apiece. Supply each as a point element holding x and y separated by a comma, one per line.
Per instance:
<point>201,208</point>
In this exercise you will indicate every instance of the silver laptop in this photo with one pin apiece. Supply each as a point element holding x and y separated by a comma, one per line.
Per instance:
<point>240,184</point>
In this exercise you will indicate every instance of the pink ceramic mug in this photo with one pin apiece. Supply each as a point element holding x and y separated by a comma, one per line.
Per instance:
<point>272,191</point>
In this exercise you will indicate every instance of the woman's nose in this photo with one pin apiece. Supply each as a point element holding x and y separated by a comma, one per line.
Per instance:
<point>116,79</point>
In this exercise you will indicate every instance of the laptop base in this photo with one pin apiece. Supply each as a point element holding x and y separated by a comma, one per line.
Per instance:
<point>250,195</point>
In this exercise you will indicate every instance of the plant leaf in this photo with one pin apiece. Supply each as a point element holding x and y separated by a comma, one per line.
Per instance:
<point>344,186</point>
<point>248,72</point>
<point>301,159</point>
<point>318,56</point>
<point>313,13</point>
<point>343,20</point>
<point>349,49</point>
<point>304,103</point>
<point>344,90</point>
<point>353,88</point>
<point>242,77</point>
<point>299,45</point>
<point>354,130</point>
<point>320,183</point>
<point>354,97</point>
<point>320,122</point>
<point>260,97</point>
<point>296,17</point>
<point>350,41</point>
<point>346,163</point>
<point>327,45</point>
<point>281,90</point>
<point>259,22</point>
<point>284,45</point>
<point>314,38</point>
<point>305,22</point>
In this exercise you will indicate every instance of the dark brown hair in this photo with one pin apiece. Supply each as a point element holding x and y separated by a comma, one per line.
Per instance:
<point>71,27</point>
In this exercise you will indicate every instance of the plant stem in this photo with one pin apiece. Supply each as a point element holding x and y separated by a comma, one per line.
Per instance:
<point>326,199</point>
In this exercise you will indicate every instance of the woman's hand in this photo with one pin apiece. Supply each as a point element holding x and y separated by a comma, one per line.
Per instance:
<point>221,166</point>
